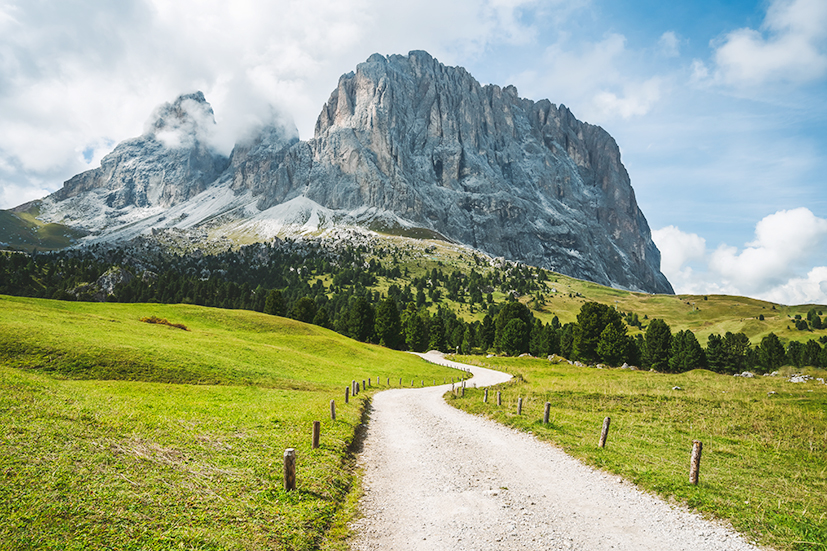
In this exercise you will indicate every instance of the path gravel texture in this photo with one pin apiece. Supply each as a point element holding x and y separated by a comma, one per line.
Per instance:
<point>436,478</point>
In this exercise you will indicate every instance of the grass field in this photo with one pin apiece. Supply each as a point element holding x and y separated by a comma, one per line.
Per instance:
<point>764,461</point>
<point>119,434</point>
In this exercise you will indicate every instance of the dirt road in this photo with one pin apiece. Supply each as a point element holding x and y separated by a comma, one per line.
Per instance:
<point>436,478</point>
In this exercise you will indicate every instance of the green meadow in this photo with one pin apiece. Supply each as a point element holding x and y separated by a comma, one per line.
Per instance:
<point>121,434</point>
<point>764,460</point>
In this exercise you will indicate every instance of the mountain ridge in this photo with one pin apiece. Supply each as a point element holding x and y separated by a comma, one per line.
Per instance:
<point>403,142</point>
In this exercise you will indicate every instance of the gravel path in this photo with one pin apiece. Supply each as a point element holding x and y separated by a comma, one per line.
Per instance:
<point>438,478</point>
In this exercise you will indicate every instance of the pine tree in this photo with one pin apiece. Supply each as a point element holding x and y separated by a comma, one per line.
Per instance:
<point>512,337</point>
<point>360,320</point>
<point>771,353</point>
<point>658,344</point>
<point>388,325</point>
<point>514,310</point>
<point>273,305</point>
<point>304,310</point>
<point>686,353</point>
<point>613,344</point>
<point>591,321</point>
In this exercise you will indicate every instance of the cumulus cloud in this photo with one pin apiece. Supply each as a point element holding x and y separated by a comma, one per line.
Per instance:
<point>594,77</point>
<point>76,74</point>
<point>778,265</point>
<point>790,46</point>
<point>669,44</point>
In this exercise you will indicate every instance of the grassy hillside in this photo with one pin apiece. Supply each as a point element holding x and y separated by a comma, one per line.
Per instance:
<point>23,231</point>
<point>121,434</point>
<point>563,296</point>
<point>764,460</point>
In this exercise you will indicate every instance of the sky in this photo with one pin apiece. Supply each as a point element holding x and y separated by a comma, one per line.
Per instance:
<point>718,106</point>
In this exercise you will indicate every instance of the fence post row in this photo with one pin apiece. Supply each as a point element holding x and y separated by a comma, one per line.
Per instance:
<point>289,469</point>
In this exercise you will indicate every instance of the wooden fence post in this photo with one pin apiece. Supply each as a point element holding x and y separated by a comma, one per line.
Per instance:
<point>363,384</point>
<point>520,405</point>
<point>347,394</point>
<point>389,381</point>
<point>499,398</point>
<point>377,381</point>
<point>695,462</point>
<point>605,432</point>
<point>546,412</point>
<point>485,397</point>
<point>355,390</point>
<point>333,410</point>
<point>289,470</point>
<point>462,392</point>
<point>317,432</point>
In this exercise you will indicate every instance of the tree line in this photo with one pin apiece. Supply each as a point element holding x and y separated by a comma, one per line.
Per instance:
<point>290,281</point>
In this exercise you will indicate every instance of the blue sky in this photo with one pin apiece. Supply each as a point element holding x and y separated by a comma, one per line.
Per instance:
<point>718,107</point>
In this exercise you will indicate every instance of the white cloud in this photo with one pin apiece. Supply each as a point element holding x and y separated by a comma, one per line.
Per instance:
<point>669,44</point>
<point>791,46</point>
<point>787,245</point>
<point>75,74</point>
<point>595,78</point>
<point>637,99</point>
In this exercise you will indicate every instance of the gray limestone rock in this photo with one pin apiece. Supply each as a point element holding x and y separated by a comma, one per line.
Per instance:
<point>170,163</point>
<point>478,164</point>
<point>404,141</point>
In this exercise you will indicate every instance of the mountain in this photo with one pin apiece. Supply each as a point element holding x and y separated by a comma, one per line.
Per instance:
<point>404,144</point>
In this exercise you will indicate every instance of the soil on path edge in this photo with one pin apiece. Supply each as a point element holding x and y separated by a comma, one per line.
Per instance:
<point>436,478</point>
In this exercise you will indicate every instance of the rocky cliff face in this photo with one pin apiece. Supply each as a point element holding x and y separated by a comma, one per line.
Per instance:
<point>480,165</point>
<point>167,165</point>
<point>402,141</point>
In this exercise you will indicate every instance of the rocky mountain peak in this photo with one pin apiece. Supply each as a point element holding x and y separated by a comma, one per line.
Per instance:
<point>186,122</point>
<point>404,143</point>
<point>171,162</point>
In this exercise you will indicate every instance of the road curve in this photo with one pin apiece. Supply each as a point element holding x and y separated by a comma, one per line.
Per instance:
<point>436,478</point>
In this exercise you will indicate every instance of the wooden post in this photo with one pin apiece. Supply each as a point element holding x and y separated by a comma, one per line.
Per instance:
<point>604,433</point>
<point>347,394</point>
<point>695,462</point>
<point>485,397</point>
<point>363,384</point>
<point>289,470</point>
<point>400,381</point>
<point>499,398</point>
<point>389,381</point>
<point>422,382</point>
<point>333,410</point>
<point>412,383</point>
<point>520,405</point>
<point>317,432</point>
<point>462,392</point>
<point>355,390</point>
<point>546,412</point>
<point>369,381</point>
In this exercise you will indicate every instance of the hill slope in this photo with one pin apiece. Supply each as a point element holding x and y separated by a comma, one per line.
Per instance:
<point>140,460</point>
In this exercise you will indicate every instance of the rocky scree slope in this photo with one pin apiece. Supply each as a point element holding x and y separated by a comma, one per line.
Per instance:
<point>403,142</point>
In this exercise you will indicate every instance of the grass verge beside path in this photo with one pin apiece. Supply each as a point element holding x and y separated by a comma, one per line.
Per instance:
<point>764,462</point>
<point>103,447</point>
